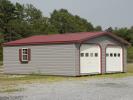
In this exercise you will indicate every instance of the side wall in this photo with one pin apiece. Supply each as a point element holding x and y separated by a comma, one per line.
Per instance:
<point>58,59</point>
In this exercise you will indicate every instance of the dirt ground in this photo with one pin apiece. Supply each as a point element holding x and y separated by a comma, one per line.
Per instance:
<point>86,89</point>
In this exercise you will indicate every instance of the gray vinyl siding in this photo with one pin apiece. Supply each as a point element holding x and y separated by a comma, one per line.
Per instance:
<point>77,70</point>
<point>58,59</point>
<point>125,58</point>
<point>104,41</point>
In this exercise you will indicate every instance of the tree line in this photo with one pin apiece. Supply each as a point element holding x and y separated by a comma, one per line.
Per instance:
<point>19,21</point>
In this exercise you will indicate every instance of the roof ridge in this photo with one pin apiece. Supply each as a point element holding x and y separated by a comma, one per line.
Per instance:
<point>71,33</point>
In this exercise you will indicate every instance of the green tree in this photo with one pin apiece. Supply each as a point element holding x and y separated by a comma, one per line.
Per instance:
<point>18,26</point>
<point>37,22</point>
<point>82,25</point>
<point>7,13</point>
<point>110,29</point>
<point>125,33</point>
<point>98,28</point>
<point>66,22</point>
<point>51,29</point>
<point>29,21</point>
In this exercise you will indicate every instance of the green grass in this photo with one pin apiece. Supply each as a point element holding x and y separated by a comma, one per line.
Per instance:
<point>130,68</point>
<point>10,89</point>
<point>1,63</point>
<point>130,54</point>
<point>29,78</point>
<point>1,53</point>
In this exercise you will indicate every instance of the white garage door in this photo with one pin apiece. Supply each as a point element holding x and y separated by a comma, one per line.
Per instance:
<point>90,58</point>
<point>114,58</point>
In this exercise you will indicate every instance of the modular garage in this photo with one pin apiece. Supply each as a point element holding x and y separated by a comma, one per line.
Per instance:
<point>70,54</point>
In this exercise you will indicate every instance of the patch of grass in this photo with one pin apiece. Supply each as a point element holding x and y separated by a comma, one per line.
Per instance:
<point>130,68</point>
<point>1,63</point>
<point>114,75</point>
<point>10,89</point>
<point>130,54</point>
<point>1,53</point>
<point>29,78</point>
<point>9,82</point>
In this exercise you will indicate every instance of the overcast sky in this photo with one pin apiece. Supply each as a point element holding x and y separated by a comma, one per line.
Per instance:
<point>99,12</point>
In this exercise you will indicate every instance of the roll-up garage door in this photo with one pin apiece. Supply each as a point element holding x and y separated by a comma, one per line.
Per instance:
<point>114,59</point>
<point>90,58</point>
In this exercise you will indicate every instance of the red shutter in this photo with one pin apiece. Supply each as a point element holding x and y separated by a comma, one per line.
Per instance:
<point>29,54</point>
<point>20,55</point>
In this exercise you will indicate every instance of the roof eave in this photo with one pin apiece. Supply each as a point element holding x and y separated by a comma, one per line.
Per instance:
<point>40,43</point>
<point>120,39</point>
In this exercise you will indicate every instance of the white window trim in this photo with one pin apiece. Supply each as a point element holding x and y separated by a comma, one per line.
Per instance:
<point>24,54</point>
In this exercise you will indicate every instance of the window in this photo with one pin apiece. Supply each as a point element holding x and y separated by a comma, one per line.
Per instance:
<point>118,54</point>
<point>111,55</point>
<point>91,54</point>
<point>25,54</point>
<point>96,54</point>
<point>82,54</point>
<point>86,54</point>
<point>115,55</point>
<point>107,54</point>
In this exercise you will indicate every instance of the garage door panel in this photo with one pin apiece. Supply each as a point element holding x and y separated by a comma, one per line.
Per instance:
<point>114,56</point>
<point>90,58</point>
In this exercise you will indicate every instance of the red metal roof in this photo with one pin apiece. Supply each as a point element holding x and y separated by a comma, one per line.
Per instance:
<point>60,38</point>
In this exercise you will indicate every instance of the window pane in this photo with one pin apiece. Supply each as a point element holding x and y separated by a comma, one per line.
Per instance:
<point>82,54</point>
<point>25,51</point>
<point>114,54</point>
<point>25,57</point>
<point>111,55</point>
<point>96,54</point>
<point>86,54</point>
<point>118,54</point>
<point>107,54</point>
<point>91,54</point>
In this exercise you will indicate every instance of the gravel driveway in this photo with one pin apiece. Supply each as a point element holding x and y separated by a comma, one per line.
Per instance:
<point>87,89</point>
